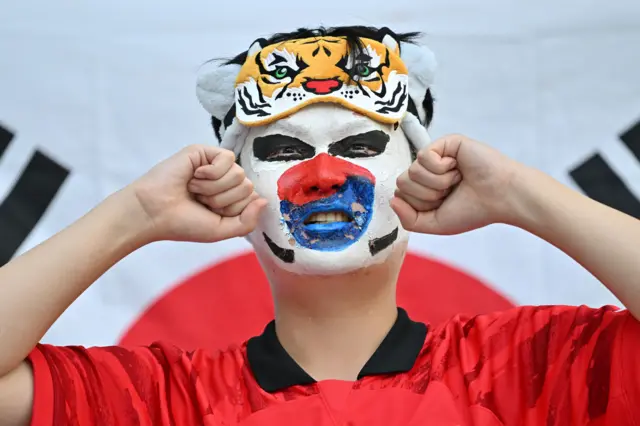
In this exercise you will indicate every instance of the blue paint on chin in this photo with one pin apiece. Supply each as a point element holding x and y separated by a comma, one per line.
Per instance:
<point>355,198</point>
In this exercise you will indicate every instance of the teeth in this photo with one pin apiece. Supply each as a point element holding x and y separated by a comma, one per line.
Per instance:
<point>328,217</point>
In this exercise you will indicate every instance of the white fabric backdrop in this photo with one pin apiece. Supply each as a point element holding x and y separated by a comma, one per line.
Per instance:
<point>107,89</point>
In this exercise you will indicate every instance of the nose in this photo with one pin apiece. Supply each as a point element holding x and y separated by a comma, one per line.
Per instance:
<point>318,178</point>
<point>322,87</point>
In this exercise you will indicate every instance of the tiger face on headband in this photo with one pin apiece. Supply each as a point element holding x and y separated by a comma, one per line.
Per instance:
<point>280,79</point>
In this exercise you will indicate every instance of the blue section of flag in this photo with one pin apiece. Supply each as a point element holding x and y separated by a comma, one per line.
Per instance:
<point>355,198</point>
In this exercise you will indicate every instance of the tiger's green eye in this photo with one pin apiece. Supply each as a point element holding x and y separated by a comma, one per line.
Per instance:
<point>363,70</point>
<point>281,72</point>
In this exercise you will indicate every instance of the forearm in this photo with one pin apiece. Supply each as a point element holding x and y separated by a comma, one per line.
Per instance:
<point>37,287</point>
<point>603,240</point>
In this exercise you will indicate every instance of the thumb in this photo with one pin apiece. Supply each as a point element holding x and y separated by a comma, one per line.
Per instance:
<point>244,223</point>
<point>408,215</point>
<point>447,146</point>
<point>250,215</point>
<point>413,220</point>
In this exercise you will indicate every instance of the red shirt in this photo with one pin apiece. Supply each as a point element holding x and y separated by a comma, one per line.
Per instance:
<point>528,366</point>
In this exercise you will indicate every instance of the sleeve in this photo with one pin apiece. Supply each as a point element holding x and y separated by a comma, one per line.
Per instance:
<point>556,365</point>
<point>110,386</point>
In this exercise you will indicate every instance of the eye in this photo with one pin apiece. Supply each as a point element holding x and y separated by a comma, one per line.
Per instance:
<point>361,150</point>
<point>279,147</point>
<point>282,72</point>
<point>368,144</point>
<point>363,70</point>
<point>288,153</point>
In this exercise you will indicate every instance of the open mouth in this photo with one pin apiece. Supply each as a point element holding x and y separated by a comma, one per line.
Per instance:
<point>327,221</point>
<point>328,217</point>
<point>334,222</point>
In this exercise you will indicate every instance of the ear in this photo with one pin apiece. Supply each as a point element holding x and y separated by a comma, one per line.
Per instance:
<point>256,47</point>
<point>215,88</point>
<point>389,39</point>
<point>421,63</point>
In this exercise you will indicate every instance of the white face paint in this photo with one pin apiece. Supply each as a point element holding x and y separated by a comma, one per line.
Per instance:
<point>328,174</point>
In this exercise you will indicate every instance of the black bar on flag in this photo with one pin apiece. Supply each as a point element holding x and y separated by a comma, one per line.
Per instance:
<point>631,139</point>
<point>602,184</point>
<point>27,202</point>
<point>5,139</point>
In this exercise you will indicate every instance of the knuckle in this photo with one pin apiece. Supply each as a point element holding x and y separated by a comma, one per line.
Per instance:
<point>203,174</point>
<point>247,188</point>
<point>428,197</point>
<point>248,184</point>
<point>212,172</point>
<point>237,175</point>
<point>432,195</point>
<point>423,155</point>
<point>412,201</point>
<point>451,181</point>
<point>228,154</point>
<point>442,184</point>
<point>215,202</point>
<point>423,205</point>
<point>431,206</point>
<point>403,176</point>
<point>231,211</point>
<point>457,136</point>
<point>414,171</point>
<point>402,184</point>
<point>195,147</point>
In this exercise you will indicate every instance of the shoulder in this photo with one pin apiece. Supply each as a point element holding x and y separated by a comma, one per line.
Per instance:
<point>523,326</point>
<point>157,377</point>
<point>525,329</point>
<point>527,320</point>
<point>231,359</point>
<point>465,345</point>
<point>157,359</point>
<point>219,382</point>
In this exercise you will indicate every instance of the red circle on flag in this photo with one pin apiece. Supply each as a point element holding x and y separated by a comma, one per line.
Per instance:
<point>230,301</point>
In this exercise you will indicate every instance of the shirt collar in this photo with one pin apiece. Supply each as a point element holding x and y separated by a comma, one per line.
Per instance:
<point>274,369</point>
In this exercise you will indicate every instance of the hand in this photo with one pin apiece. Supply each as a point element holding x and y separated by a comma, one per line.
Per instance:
<point>176,195</point>
<point>455,185</point>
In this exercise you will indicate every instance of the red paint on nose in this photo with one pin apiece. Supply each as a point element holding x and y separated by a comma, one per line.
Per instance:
<point>322,87</point>
<point>318,178</point>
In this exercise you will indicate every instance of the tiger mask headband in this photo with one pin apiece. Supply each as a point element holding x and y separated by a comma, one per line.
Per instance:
<point>376,81</point>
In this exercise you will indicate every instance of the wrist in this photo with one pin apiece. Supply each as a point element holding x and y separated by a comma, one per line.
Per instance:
<point>125,220</point>
<point>542,206</point>
<point>529,196</point>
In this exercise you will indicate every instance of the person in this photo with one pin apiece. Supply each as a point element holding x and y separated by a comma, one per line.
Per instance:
<point>325,166</point>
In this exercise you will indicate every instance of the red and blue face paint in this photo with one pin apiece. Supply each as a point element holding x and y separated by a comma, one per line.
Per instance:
<point>326,184</point>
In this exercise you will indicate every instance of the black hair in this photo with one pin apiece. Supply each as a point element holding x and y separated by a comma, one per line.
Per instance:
<point>353,34</point>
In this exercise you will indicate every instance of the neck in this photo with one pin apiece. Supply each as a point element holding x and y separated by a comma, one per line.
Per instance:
<point>331,325</point>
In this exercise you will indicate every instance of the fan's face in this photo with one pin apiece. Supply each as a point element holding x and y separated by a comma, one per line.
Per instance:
<point>328,174</point>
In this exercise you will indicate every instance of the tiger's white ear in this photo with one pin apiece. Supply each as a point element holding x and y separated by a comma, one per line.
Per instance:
<point>215,87</point>
<point>256,47</point>
<point>421,63</point>
<point>391,43</point>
